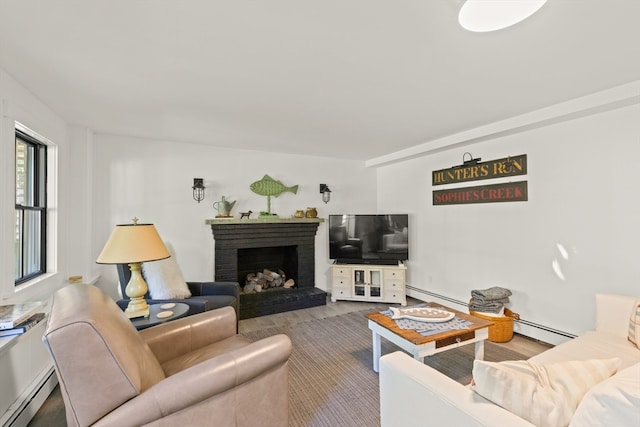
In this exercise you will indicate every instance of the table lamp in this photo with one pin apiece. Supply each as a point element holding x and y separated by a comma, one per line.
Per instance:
<point>134,244</point>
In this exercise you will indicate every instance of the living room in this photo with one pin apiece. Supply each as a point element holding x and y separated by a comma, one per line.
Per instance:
<point>575,236</point>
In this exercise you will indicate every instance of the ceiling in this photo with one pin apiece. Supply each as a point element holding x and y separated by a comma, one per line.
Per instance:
<point>355,79</point>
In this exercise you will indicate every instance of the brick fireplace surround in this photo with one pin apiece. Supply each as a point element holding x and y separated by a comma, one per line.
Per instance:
<point>242,244</point>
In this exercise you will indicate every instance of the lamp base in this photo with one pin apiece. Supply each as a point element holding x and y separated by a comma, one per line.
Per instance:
<point>137,308</point>
<point>136,290</point>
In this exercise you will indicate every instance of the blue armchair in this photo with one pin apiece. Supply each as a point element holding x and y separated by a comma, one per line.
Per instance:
<point>205,296</point>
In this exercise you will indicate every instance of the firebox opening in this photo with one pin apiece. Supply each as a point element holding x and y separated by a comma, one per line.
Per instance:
<point>254,260</point>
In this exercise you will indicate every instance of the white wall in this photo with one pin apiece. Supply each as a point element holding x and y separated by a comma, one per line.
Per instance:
<point>24,363</point>
<point>583,200</point>
<point>152,180</point>
<point>69,218</point>
<point>18,104</point>
<point>78,205</point>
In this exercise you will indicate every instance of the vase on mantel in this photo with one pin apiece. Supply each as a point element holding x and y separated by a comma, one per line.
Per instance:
<point>311,213</point>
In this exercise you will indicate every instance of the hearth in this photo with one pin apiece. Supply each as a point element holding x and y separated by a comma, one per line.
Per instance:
<point>242,246</point>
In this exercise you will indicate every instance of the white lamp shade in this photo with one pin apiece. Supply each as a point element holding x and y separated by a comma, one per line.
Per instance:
<point>130,243</point>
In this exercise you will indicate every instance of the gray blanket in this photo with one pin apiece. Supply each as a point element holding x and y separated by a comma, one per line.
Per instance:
<point>495,294</point>
<point>486,307</point>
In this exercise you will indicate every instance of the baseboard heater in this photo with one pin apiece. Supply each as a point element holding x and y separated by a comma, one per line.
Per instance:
<point>27,406</point>
<point>466,304</point>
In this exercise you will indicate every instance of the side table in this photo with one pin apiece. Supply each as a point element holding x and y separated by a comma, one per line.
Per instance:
<point>177,311</point>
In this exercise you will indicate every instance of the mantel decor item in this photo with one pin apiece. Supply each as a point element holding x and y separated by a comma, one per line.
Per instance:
<point>134,244</point>
<point>268,186</point>
<point>224,208</point>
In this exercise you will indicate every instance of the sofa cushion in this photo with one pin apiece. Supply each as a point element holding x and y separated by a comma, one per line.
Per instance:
<point>613,402</point>
<point>634,324</point>
<point>545,395</point>
<point>592,345</point>
<point>165,279</point>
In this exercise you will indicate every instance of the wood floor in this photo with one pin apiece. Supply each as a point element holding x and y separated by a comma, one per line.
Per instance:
<point>52,414</point>
<point>519,343</point>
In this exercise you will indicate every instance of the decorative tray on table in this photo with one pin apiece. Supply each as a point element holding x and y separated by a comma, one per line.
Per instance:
<point>421,314</point>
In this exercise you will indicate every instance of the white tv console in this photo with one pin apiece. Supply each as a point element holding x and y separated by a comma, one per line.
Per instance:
<point>364,282</point>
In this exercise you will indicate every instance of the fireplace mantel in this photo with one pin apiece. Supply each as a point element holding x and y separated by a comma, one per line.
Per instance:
<point>232,236</point>
<point>220,221</point>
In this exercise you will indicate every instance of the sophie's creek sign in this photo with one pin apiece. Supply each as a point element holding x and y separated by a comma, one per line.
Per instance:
<point>475,171</point>
<point>509,192</point>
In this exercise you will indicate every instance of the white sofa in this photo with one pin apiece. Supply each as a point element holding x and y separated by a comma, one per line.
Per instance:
<point>414,394</point>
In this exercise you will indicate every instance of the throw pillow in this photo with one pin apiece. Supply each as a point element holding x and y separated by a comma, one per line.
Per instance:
<point>634,324</point>
<point>613,402</point>
<point>545,395</point>
<point>165,280</point>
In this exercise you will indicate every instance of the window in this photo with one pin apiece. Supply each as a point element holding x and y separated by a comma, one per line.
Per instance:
<point>31,207</point>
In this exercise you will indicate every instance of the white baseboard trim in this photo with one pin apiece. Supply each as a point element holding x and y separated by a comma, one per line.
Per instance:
<point>523,327</point>
<point>26,406</point>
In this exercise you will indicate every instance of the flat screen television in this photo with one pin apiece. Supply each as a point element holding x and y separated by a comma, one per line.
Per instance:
<point>369,238</point>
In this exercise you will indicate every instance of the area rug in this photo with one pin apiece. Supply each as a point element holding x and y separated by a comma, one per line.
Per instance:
<point>331,378</point>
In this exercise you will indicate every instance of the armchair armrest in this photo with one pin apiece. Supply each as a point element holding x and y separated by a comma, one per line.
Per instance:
<point>172,339</point>
<point>406,384</point>
<point>214,288</point>
<point>264,360</point>
<point>354,242</point>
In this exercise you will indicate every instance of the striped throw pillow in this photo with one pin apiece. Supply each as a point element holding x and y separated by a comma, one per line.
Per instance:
<point>545,395</point>
<point>634,324</point>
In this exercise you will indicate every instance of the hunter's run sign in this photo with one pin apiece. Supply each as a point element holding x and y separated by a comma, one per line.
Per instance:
<point>474,171</point>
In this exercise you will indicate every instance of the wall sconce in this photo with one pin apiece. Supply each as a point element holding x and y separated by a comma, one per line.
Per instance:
<point>198,189</point>
<point>326,193</point>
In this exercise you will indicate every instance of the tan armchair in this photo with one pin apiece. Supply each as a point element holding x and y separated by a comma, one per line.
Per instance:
<point>194,371</point>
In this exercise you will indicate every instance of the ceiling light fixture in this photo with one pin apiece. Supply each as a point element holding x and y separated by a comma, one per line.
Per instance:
<point>492,15</point>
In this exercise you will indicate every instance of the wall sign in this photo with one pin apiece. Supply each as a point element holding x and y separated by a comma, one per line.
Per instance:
<point>509,166</point>
<point>508,192</point>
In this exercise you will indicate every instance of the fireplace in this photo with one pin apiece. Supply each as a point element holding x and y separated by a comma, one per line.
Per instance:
<point>275,258</point>
<point>249,245</point>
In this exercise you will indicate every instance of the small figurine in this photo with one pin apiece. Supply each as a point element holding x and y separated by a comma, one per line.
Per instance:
<point>245,214</point>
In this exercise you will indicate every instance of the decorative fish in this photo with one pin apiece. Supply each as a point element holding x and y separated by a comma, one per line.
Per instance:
<point>268,186</point>
<point>422,314</point>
